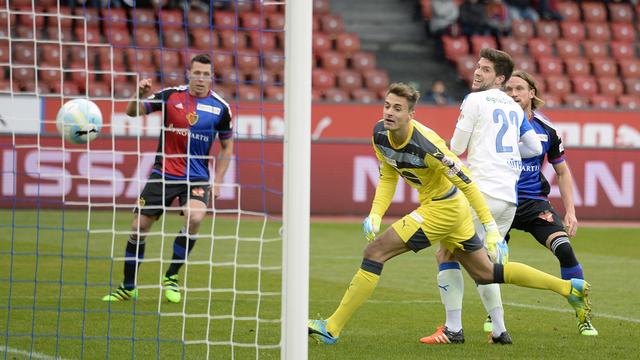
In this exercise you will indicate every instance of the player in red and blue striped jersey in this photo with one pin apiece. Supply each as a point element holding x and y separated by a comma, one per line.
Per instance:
<point>193,116</point>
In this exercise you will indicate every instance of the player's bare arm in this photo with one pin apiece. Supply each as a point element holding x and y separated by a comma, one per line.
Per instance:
<point>565,183</point>
<point>135,107</point>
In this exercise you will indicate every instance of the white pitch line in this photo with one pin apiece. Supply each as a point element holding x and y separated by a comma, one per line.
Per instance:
<point>30,355</point>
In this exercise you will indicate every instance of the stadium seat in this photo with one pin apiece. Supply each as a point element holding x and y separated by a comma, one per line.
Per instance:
<point>198,19</point>
<point>547,29</point>
<point>170,20</point>
<point>24,75</point>
<point>361,61</point>
<point>551,100</point>
<point>167,58</point>
<point>225,91</point>
<point>23,53</point>
<point>55,34</point>
<point>629,68</point>
<point>105,58</point>
<point>623,32</point>
<point>627,102</point>
<point>173,77</point>
<point>569,10</point>
<point>364,96</point>
<point>99,89</point>
<point>479,42</point>
<point>91,36</point>
<point>550,65</point>
<point>332,60</point>
<point>632,86</point>
<point>205,39</point>
<point>577,66</point>
<point>322,79</point>
<point>540,47</point>
<point>174,39</point>
<point>573,31</point>
<point>375,79</point>
<point>584,85</point>
<point>146,38</point>
<point>72,55</point>
<point>118,37</point>
<point>225,20</point>
<point>21,32</point>
<point>603,102</point>
<point>49,76</point>
<point>335,95</point>
<point>455,47</point>
<point>511,46</point>
<point>124,90</point>
<point>230,76</point>
<point>247,60</point>
<point>522,30</point>
<point>262,76</point>
<point>233,40</point>
<point>466,65</point>
<point>593,12</point>
<point>252,21</point>
<point>29,19</point>
<point>4,51</point>
<point>321,7</point>
<point>620,12</point>
<point>140,59</point>
<point>576,101</point>
<point>611,86</point>
<point>567,49</point>
<point>595,49</point>
<point>331,24</point>
<point>604,67</point>
<point>114,18</point>
<point>274,92</point>
<point>558,85</point>
<point>347,43</point>
<point>349,79</point>
<point>622,50</point>
<point>248,93</point>
<point>598,31</point>
<point>262,40</point>
<point>275,21</point>
<point>274,60</point>
<point>143,18</point>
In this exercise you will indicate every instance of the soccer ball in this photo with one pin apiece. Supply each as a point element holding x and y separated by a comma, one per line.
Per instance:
<point>79,121</point>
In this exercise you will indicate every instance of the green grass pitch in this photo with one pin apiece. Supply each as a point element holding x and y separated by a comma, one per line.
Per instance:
<point>74,270</point>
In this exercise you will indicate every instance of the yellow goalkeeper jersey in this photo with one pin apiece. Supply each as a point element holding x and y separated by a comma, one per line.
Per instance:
<point>426,164</point>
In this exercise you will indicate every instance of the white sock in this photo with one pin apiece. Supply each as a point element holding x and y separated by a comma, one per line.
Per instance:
<point>451,287</point>
<point>492,301</point>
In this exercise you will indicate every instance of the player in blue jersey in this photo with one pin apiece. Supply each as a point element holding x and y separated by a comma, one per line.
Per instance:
<point>535,214</point>
<point>194,115</point>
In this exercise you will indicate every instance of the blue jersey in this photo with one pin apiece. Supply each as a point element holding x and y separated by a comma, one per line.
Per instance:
<point>190,125</point>
<point>532,183</point>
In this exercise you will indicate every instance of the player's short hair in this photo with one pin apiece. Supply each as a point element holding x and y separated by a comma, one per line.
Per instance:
<point>502,62</point>
<point>201,58</point>
<point>536,102</point>
<point>405,91</point>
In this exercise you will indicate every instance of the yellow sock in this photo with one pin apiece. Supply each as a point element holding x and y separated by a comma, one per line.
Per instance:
<point>361,287</point>
<point>524,275</point>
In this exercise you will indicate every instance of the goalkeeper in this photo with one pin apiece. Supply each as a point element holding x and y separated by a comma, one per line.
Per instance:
<point>405,147</point>
<point>194,115</point>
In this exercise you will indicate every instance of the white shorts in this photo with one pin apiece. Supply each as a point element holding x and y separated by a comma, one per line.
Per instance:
<point>502,212</point>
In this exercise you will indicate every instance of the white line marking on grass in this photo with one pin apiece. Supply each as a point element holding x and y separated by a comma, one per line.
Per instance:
<point>31,355</point>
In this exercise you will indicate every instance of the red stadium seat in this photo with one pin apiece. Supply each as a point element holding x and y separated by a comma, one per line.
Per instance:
<point>322,79</point>
<point>479,42</point>
<point>584,85</point>
<point>275,21</point>
<point>577,66</point>
<point>248,93</point>
<point>92,35</point>
<point>4,51</point>
<point>551,100</point>
<point>567,49</point>
<point>320,42</point>
<point>623,32</point>
<point>23,53</point>
<point>321,7</point>
<point>598,31</point>
<point>140,59</point>
<point>622,50</point>
<point>99,89</point>
<point>522,30</point>
<point>22,32</point>
<point>335,95</point>
<point>262,76</point>
<point>363,61</point>
<point>605,67</point>
<point>550,65</point>
<point>198,19</point>
<point>91,14</point>
<point>205,39</point>
<point>627,102</point>
<point>547,29</point>
<point>455,47</point>
<point>632,87</point>
<point>167,58</point>
<point>466,65</point>
<point>105,58</point>
<point>262,40</point>
<point>24,75</point>
<point>539,47</point>
<point>118,37</point>
<point>331,24</point>
<point>114,18</point>
<point>230,76</point>
<point>252,21</point>
<point>274,60</point>
<point>630,68</point>
<point>349,79</point>
<point>603,102</point>
<point>146,38</point>
<point>124,89</point>
<point>620,12</point>
<point>225,20</point>
<point>375,79</point>
<point>73,56</point>
<point>576,101</point>
<point>170,20</point>
<point>573,31</point>
<point>233,40</point>
<point>595,49</point>
<point>364,96</point>
<point>274,92</point>
<point>175,39</point>
<point>348,43</point>
<point>558,85</point>
<point>247,60</point>
<point>143,18</point>
<point>173,77</point>
<point>569,10</point>
<point>611,86</point>
<point>332,60</point>
<point>222,59</point>
<point>226,92</point>
<point>511,46</point>
<point>594,12</point>
<point>525,63</point>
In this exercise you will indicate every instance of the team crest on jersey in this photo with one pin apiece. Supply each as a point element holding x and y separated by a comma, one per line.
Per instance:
<point>192,118</point>
<point>197,191</point>
<point>141,202</point>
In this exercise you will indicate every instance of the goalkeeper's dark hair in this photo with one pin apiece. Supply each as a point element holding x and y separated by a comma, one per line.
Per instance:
<point>502,62</point>
<point>405,91</point>
<point>201,58</point>
<point>536,102</point>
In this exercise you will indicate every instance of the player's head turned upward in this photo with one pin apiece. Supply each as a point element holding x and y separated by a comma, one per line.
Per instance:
<point>522,87</point>
<point>493,70</point>
<point>200,75</point>
<point>399,105</point>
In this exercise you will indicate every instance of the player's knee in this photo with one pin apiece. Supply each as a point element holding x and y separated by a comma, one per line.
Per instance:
<point>443,255</point>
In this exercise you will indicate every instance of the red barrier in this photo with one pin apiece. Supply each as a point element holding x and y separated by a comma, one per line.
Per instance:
<point>37,173</point>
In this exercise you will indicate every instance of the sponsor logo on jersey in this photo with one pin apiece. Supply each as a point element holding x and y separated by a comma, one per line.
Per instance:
<point>192,118</point>
<point>209,109</point>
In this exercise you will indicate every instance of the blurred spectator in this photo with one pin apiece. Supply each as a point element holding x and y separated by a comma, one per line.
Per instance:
<point>473,18</point>
<point>548,10</point>
<point>522,10</point>
<point>498,17</point>
<point>438,94</point>
<point>444,18</point>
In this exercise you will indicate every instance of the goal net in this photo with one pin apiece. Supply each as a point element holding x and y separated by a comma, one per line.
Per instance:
<point>66,210</point>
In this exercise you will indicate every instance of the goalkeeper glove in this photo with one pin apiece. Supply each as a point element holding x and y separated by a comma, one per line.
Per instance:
<point>496,246</point>
<point>370,226</point>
